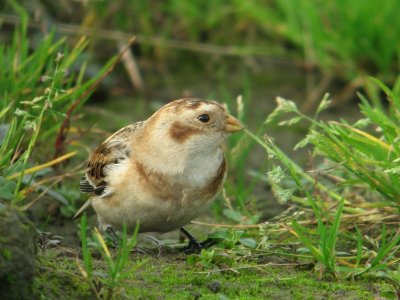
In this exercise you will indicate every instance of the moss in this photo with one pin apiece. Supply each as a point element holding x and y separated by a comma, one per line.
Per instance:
<point>58,278</point>
<point>17,254</point>
<point>6,253</point>
<point>169,277</point>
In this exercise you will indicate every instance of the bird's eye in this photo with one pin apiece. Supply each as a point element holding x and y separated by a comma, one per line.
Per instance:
<point>204,118</point>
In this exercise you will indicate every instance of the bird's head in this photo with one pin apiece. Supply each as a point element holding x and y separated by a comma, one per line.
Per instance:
<point>193,124</point>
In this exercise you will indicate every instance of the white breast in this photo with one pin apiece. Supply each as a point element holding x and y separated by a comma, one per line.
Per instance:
<point>132,201</point>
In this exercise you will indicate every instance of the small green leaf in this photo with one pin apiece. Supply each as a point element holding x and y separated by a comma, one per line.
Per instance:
<point>291,122</point>
<point>221,234</point>
<point>285,105</point>
<point>207,265</point>
<point>192,259</point>
<point>7,188</point>
<point>232,214</point>
<point>325,102</point>
<point>362,123</point>
<point>248,242</point>
<point>303,250</point>
<point>304,142</point>
<point>276,175</point>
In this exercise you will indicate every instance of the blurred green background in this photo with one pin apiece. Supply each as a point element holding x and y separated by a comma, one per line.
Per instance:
<point>219,49</point>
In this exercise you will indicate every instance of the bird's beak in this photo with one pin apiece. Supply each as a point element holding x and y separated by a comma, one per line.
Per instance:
<point>233,125</point>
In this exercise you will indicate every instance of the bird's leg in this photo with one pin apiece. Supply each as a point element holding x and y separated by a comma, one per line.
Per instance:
<point>193,246</point>
<point>113,235</point>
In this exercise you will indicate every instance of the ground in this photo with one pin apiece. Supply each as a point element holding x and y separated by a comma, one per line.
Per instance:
<point>168,276</point>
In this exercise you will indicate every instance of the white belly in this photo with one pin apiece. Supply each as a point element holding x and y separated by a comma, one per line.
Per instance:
<point>154,216</point>
<point>160,204</point>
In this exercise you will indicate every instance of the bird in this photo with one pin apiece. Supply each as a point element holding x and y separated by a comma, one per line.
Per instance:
<point>162,172</point>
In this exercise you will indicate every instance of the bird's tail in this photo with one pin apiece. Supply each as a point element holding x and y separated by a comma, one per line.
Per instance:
<point>84,206</point>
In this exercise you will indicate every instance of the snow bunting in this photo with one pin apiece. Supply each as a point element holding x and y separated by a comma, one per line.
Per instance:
<point>163,171</point>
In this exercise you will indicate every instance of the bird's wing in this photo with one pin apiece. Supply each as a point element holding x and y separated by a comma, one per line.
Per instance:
<point>111,152</point>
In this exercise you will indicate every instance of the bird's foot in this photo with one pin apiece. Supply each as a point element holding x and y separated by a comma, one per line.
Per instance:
<point>113,235</point>
<point>195,247</point>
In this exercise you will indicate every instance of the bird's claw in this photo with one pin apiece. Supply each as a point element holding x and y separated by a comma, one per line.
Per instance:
<point>194,247</point>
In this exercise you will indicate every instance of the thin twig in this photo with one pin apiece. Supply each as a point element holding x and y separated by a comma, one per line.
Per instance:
<point>56,179</point>
<point>226,225</point>
<point>250,267</point>
<point>43,166</point>
<point>132,68</point>
<point>115,35</point>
